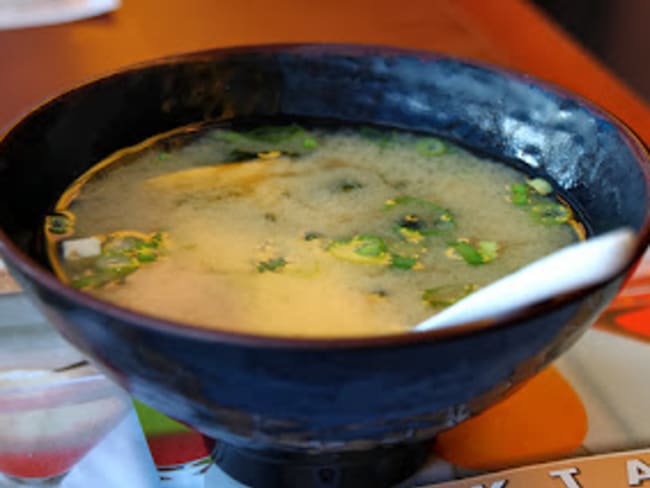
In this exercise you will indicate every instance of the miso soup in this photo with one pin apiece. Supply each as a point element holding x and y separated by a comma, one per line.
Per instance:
<point>289,231</point>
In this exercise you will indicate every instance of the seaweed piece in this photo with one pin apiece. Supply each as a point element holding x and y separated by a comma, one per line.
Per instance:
<point>273,264</point>
<point>420,217</point>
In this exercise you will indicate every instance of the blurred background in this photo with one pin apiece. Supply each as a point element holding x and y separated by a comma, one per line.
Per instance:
<point>614,31</point>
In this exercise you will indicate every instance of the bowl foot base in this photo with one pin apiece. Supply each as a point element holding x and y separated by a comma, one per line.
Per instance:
<point>376,468</point>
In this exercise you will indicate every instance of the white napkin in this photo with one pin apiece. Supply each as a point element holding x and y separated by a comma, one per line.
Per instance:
<point>121,459</point>
<point>30,13</point>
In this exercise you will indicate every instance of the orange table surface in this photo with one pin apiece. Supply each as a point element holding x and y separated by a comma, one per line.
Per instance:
<point>39,62</point>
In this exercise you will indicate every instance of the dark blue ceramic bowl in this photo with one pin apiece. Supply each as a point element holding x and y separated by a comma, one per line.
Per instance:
<point>320,396</point>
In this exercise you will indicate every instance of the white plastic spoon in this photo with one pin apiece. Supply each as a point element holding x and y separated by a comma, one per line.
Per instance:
<point>573,267</point>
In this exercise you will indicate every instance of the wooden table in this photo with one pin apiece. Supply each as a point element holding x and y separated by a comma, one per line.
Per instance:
<point>40,62</point>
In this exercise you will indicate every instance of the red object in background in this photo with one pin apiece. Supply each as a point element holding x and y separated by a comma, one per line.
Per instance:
<point>628,316</point>
<point>629,313</point>
<point>635,321</point>
<point>179,447</point>
<point>41,463</point>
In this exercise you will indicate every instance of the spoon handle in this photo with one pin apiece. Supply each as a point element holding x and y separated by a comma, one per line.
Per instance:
<point>571,268</point>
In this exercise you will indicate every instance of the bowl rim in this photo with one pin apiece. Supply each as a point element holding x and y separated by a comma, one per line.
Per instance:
<point>15,257</point>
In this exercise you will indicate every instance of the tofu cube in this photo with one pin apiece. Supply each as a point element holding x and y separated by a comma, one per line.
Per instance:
<point>81,248</point>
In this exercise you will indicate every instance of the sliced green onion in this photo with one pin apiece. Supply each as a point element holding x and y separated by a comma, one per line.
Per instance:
<point>90,281</point>
<point>550,213</point>
<point>421,216</point>
<point>122,253</point>
<point>488,250</point>
<point>60,223</point>
<point>379,137</point>
<point>468,252</point>
<point>431,147</point>
<point>156,240</point>
<point>446,295</point>
<point>122,244</point>
<point>360,249</point>
<point>288,139</point>
<point>402,262</point>
<point>481,253</point>
<point>369,246</point>
<point>540,185</point>
<point>519,194</point>
<point>146,255</point>
<point>410,235</point>
<point>309,143</point>
<point>116,265</point>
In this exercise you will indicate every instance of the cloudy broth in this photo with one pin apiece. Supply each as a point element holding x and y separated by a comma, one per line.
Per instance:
<point>289,231</point>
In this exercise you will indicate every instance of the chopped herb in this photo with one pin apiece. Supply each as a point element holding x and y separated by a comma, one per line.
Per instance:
<point>156,240</point>
<point>347,186</point>
<point>122,244</point>
<point>146,255</point>
<point>238,155</point>
<point>531,195</point>
<point>488,250</point>
<point>519,194</point>
<point>274,264</point>
<point>410,235</point>
<point>481,253</point>
<point>379,293</point>
<point>380,137</point>
<point>117,265</point>
<point>402,262</point>
<point>269,140</point>
<point>60,223</point>
<point>369,246</point>
<point>311,236</point>
<point>523,194</point>
<point>276,133</point>
<point>468,252</point>
<point>309,143</point>
<point>446,295</point>
<point>90,281</point>
<point>551,213</point>
<point>360,249</point>
<point>431,147</point>
<point>163,155</point>
<point>540,185</point>
<point>122,253</point>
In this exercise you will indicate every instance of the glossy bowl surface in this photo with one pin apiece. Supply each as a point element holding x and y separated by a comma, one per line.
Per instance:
<point>311,395</point>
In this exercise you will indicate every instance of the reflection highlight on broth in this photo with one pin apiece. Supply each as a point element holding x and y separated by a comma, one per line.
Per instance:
<point>287,231</point>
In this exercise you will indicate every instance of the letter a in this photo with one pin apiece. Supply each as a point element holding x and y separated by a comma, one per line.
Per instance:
<point>637,472</point>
